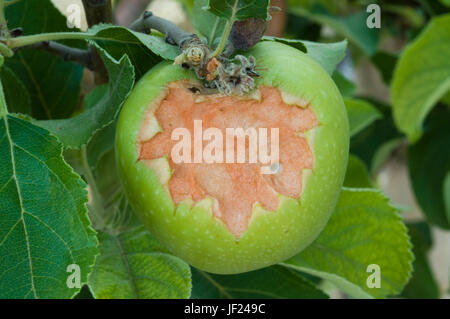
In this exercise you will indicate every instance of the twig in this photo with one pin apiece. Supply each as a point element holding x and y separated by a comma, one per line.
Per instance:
<point>98,11</point>
<point>82,57</point>
<point>129,10</point>
<point>173,33</point>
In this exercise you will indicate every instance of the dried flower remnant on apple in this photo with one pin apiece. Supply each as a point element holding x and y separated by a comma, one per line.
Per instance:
<point>217,68</point>
<point>230,76</point>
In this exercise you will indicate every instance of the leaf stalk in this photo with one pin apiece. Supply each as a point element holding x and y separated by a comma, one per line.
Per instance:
<point>98,213</point>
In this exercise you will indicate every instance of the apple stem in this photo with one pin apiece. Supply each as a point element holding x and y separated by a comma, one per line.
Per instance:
<point>226,32</point>
<point>223,39</point>
<point>174,34</point>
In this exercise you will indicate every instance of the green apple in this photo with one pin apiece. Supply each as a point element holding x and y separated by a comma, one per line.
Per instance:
<point>191,229</point>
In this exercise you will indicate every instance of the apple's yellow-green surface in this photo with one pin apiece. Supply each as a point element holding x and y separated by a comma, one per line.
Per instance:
<point>192,232</point>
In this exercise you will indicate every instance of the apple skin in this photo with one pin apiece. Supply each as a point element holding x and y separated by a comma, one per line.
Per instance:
<point>192,233</point>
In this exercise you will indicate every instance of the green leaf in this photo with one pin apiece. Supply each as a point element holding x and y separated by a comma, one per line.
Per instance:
<point>433,7</point>
<point>345,86</point>
<point>422,284</point>
<point>352,27</point>
<point>272,282</point>
<point>298,44</point>
<point>422,77</point>
<point>77,131</point>
<point>17,97</point>
<point>446,192</point>
<point>357,174</point>
<point>383,152</point>
<point>134,265</point>
<point>84,293</point>
<point>123,37</point>
<point>103,140</point>
<point>5,51</point>
<point>331,6</point>
<point>239,9</point>
<point>44,226</point>
<point>298,27</point>
<point>208,24</point>
<point>385,62</point>
<point>429,164</point>
<point>328,55</point>
<point>364,230</point>
<point>143,50</point>
<point>360,114</point>
<point>110,189</point>
<point>101,143</point>
<point>95,96</point>
<point>368,142</point>
<point>188,5</point>
<point>407,13</point>
<point>446,99</point>
<point>52,83</point>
